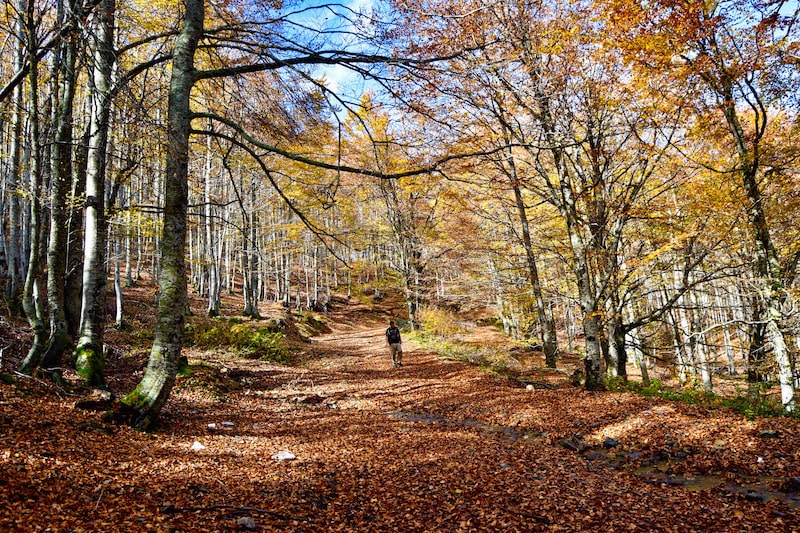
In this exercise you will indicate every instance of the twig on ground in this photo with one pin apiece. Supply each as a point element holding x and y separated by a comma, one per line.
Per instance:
<point>96,505</point>
<point>55,388</point>
<point>222,485</point>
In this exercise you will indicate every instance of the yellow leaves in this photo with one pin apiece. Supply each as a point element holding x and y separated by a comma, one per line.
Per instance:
<point>138,18</point>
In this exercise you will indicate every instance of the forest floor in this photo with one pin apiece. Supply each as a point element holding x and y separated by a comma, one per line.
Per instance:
<point>435,445</point>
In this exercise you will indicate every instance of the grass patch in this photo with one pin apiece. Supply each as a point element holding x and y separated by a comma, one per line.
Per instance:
<point>694,395</point>
<point>440,322</point>
<point>207,379</point>
<point>311,324</point>
<point>485,358</point>
<point>261,342</point>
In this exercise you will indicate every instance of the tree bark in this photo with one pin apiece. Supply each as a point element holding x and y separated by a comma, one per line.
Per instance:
<point>547,325</point>
<point>211,260</point>
<point>61,178</point>
<point>13,249</point>
<point>142,406</point>
<point>33,277</point>
<point>73,284</point>
<point>89,352</point>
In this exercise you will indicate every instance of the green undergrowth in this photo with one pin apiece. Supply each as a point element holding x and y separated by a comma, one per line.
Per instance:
<point>440,323</point>
<point>696,395</point>
<point>310,324</point>
<point>485,357</point>
<point>265,342</point>
<point>439,333</point>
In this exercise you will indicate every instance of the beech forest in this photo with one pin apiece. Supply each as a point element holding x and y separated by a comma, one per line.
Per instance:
<point>580,215</point>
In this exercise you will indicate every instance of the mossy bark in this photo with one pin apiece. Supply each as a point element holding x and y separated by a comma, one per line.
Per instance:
<point>89,353</point>
<point>142,406</point>
<point>90,363</point>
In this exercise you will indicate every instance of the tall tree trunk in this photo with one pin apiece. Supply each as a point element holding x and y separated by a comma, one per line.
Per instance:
<point>547,325</point>
<point>89,351</point>
<point>210,260</point>
<point>33,277</point>
<point>119,315</point>
<point>73,284</point>
<point>593,362</point>
<point>143,404</point>
<point>129,281</point>
<point>250,277</point>
<point>592,328</point>
<point>767,265</point>
<point>617,349</point>
<point>13,249</point>
<point>61,178</point>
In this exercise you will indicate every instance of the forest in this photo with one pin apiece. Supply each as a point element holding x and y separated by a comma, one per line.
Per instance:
<point>607,184</point>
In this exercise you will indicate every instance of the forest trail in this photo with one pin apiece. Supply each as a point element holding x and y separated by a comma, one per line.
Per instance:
<point>435,445</point>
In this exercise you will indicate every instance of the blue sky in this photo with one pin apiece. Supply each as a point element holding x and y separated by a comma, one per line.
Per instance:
<point>338,78</point>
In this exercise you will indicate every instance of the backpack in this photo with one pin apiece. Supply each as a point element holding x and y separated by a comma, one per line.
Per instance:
<point>393,335</point>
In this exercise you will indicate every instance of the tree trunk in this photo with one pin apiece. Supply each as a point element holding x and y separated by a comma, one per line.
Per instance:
<point>595,377</point>
<point>30,293</point>
<point>593,361</point>
<point>143,404</point>
<point>119,315</point>
<point>89,351</point>
<point>547,325</point>
<point>767,264</point>
<point>210,260</point>
<point>618,351</point>
<point>784,360</point>
<point>13,249</point>
<point>756,352</point>
<point>61,179</point>
<point>73,287</point>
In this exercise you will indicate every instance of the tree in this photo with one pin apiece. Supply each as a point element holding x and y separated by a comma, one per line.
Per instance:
<point>142,405</point>
<point>89,351</point>
<point>31,303</point>
<point>727,56</point>
<point>13,180</point>
<point>558,105</point>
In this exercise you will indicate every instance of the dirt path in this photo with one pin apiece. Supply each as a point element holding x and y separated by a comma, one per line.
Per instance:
<point>432,446</point>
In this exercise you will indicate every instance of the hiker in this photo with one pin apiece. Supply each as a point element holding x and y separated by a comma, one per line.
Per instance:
<point>395,344</point>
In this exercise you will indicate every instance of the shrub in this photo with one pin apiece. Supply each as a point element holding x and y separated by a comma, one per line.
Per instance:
<point>439,322</point>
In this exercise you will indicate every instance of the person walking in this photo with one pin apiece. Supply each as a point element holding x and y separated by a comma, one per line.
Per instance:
<point>395,344</point>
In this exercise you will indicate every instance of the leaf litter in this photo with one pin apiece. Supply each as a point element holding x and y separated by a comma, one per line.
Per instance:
<point>344,442</point>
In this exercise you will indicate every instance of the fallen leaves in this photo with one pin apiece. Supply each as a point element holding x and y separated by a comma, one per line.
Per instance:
<point>431,447</point>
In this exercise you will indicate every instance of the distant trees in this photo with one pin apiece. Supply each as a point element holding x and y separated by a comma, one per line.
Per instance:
<point>729,59</point>
<point>599,131</point>
<point>553,160</point>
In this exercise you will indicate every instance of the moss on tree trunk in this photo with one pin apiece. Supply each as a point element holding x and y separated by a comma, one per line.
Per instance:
<point>142,406</point>
<point>90,364</point>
